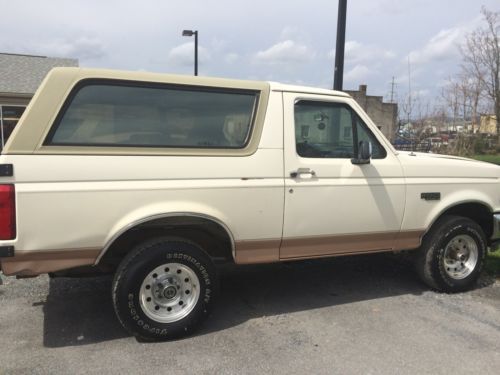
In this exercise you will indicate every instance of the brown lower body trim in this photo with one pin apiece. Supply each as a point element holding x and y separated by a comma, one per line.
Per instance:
<point>408,240</point>
<point>340,244</point>
<point>322,246</point>
<point>32,263</point>
<point>257,251</point>
<point>349,244</point>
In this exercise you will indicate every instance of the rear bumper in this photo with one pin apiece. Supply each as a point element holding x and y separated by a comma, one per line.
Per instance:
<point>6,251</point>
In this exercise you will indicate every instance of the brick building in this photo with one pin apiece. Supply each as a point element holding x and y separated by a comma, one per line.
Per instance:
<point>384,115</point>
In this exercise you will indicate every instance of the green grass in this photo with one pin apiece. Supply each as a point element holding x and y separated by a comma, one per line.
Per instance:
<point>492,264</point>
<point>489,158</point>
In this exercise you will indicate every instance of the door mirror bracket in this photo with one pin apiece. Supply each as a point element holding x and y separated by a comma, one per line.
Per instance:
<point>364,153</point>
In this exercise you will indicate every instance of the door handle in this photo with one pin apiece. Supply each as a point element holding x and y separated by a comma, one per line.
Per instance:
<point>302,171</point>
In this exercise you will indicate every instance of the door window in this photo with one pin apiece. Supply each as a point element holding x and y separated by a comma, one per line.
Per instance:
<point>329,130</point>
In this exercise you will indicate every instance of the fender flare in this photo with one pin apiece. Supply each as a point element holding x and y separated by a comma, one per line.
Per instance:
<point>146,219</point>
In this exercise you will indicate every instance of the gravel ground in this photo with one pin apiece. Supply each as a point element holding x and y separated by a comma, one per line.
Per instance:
<point>352,315</point>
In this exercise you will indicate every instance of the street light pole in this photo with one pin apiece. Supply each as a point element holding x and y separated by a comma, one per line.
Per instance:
<point>196,53</point>
<point>340,46</point>
<point>195,33</point>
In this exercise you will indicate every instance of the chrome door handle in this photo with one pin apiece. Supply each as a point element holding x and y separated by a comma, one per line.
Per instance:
<point>302,171</point>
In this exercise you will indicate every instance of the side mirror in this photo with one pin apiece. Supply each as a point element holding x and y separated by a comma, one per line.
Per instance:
<point>364,153</point>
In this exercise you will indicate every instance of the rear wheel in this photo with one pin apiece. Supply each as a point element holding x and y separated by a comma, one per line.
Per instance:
<point>452,254</point>
<point>164,289</point>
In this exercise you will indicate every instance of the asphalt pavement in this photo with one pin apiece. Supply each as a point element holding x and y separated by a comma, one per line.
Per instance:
<point>351,315</point>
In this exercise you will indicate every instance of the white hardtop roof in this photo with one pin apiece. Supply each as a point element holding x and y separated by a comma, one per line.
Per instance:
<point>276,86</point>
<point>81,73</point>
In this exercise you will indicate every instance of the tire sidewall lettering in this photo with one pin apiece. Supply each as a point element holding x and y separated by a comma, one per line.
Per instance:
<point>158,256</point>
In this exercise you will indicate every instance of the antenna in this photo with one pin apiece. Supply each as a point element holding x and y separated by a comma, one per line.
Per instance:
<point>410,105</point>
<point>409,90</point>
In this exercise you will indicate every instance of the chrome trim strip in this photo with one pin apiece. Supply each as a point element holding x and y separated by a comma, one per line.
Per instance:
<point>161,216</point>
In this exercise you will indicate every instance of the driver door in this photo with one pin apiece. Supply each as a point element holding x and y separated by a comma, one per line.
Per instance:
<point>333,206</point>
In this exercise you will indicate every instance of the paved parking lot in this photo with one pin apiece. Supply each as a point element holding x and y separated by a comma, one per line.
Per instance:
<point>353,315</point>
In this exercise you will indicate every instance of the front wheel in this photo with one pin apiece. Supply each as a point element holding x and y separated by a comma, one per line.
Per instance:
<point>452,254</point>
<point>164,289</point>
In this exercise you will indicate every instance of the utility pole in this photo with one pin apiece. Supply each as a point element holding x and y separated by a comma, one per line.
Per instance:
<point>392,90</point>
<point>340,46</point>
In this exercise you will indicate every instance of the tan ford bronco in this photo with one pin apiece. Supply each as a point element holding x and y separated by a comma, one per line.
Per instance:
<point>157,178</point>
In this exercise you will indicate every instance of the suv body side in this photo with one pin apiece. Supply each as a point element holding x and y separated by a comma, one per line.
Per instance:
<point>73,201</point>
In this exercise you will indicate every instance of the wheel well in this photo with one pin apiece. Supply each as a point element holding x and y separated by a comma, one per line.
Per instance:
<point>211,236</point>
<point>477,212</point>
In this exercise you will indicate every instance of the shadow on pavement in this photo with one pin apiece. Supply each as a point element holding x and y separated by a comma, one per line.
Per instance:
<point>80,311</point>
<point>266,290</point>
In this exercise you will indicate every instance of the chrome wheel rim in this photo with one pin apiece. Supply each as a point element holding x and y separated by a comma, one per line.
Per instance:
<point>169,292</point>
<point>460,257</point>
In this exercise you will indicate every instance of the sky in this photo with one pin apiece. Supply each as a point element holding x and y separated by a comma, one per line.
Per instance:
<point>284,41</point>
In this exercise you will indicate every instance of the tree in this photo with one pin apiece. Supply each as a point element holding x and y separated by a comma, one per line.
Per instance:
<point>481,59</point>
<point>462,95</point>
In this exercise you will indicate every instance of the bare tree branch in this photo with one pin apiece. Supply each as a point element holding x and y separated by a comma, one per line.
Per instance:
<point>481,62</point>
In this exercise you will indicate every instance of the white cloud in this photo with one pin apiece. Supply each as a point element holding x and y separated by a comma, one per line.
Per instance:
<point>358,53</point>
<point>357,74</point>
<point>392,6</point>
<point>422,93</point>
<point>286,52</point>
<point>183,55</point>
<point>289,33</point>
<point>82,48</point>
<point>363,61</point>
<point>102,34</point>
<point>231,58</point>
<point>442,46</point>
<point>416,74</point>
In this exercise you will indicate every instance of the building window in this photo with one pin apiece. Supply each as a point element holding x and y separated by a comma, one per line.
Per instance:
<point>9,116</point>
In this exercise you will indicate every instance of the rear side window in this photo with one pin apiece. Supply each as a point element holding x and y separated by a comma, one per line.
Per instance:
<point>135,115</point>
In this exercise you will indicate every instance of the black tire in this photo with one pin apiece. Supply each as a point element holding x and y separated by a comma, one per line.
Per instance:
<point>134,272</point>
<point>432,261</point>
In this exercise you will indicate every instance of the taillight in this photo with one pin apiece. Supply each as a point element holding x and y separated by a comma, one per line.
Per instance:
<point>7,212</point>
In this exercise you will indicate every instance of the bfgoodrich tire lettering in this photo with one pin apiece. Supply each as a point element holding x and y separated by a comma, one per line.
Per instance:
<point>157,282</point>
<point>452,254</point>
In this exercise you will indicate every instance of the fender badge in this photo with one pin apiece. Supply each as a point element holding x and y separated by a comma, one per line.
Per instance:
<point>431,196</point>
